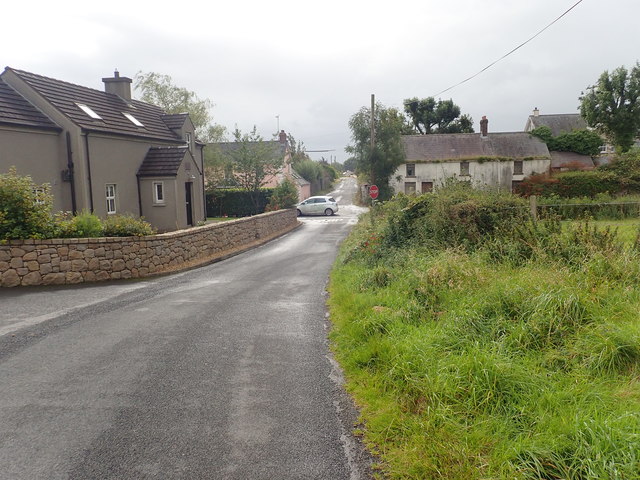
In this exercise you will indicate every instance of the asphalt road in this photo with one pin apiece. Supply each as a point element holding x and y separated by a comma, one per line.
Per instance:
<point>222,372</point>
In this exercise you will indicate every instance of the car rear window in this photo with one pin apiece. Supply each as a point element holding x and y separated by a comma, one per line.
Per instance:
<point>331,199</point>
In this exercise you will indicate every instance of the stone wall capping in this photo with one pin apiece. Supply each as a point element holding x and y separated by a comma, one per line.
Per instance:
<point>75,260</point>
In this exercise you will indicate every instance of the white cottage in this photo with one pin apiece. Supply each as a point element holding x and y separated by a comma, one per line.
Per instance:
<point>498,159</point>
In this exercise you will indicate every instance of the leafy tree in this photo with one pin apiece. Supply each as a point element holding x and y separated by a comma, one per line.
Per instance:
<point>159,90</point>
<point>377,164</point>
<point>297,150</point>
<point>25,207</point>
<point>253,162</point>
<point>612,106</point>
<point>583,141</point>
<point>428,116</point>
<point>350,164</point>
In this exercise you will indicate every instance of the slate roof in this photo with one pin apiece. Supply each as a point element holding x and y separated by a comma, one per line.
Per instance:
<point>64,96</point>
<point>299,179</point>
<point>558,123</point>
<point>470,146</point>
<point>228,147</point>
<point>15,110</point>
<point>162,162</point>
<point>561,159</point>
<point>175,121</point>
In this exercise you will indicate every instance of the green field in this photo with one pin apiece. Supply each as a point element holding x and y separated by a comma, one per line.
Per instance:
<point>501,356</point>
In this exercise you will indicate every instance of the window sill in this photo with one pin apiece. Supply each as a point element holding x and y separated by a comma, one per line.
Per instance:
<point>159,204</point>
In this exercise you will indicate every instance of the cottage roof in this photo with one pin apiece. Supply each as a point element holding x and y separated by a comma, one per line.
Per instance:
<point>470,146</point>
<point>565,159</point>
<point>557,123</point>
<point>299,179</point>
<point>15,110</point>
<point>110,108</point>
<point>162,162</point>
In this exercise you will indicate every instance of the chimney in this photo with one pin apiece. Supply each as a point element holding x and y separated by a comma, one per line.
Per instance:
<point>484,126</point>
<point>282,137</point>
<point>118,85</point>
<point>536,112</point>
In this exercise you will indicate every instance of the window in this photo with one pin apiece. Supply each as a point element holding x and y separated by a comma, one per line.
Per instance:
<point>515,186</point>
<point>410,188</point>
<point>188,139</point>
<point>427,187</point>
<point>133,120</point>
<point>411,169</point>
<point>158,192</point>
<point>517,167</point>
<point>464,168</point>
<point>111,197</point>
<point>88,111</point>
<point>40,193</point>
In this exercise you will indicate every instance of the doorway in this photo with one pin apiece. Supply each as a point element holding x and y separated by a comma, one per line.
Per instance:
<point>187,190</point>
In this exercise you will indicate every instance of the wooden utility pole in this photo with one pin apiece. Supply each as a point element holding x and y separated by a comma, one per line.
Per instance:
<point>373,135</point>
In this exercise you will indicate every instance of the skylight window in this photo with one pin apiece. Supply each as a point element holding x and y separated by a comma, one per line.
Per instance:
<point>133,119</point>
<point>88,111</point>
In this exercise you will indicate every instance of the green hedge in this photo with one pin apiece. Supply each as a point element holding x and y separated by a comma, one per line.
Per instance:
<point>571,184</point>
<point>236,202</point>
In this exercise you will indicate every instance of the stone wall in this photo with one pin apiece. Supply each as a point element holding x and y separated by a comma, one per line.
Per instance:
<point>77,260</point>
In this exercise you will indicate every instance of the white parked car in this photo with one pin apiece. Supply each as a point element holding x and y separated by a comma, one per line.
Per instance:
<point>319,205</point>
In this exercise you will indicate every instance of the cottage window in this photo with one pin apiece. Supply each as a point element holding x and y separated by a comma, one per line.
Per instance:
<point>40,194</point>
<point>517,167</point>
<point>410,188</point>
<point>464,169</point>
<point>158,193</point>
<point>188,139</point>
<point>111,197</point>
<point>411,169</point>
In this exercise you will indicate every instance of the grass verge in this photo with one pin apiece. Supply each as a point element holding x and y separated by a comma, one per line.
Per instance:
<point>469,365</point>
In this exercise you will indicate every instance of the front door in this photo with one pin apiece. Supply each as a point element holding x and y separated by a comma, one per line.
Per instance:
<point>187,189</point>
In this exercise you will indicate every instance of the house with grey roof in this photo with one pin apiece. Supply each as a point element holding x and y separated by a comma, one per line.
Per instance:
<point>558,123</point>
<point>102,151</point>
<point>499,160</point>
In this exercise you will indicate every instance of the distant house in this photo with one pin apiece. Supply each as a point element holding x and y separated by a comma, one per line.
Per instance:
<point>558,123</point>
<point>497,160</point>
<point>102,151</point>
<point>277,149</point>
<point>564,123</point>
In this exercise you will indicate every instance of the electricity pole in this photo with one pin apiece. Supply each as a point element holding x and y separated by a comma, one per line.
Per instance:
<point>373,136</point>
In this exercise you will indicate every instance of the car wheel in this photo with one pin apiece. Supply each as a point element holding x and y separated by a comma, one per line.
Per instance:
<point>298,212</point>
<point>328,212</point>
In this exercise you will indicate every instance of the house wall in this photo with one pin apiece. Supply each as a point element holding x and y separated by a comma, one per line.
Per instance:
<point>73,260</point>
<point>161,215</point>
<point>490,173</point>
<point>42,155</point>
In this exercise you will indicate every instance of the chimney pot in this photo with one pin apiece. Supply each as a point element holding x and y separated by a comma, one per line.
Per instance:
<point>536,112</point>
<point>282,136</point>
<point>484,126</point>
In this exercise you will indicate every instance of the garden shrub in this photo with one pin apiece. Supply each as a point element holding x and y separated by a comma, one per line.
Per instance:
<point>284,195</point>
<point>126,226</point>
<point>25,207</point>
<point>235,202</point>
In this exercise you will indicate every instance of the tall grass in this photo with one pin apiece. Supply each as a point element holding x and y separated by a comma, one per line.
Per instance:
<point>479,360</point>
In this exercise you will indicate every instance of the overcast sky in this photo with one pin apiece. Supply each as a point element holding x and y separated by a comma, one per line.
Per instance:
<point>314,64</point>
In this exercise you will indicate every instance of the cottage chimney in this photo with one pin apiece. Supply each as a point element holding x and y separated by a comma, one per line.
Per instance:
<point>484,126</point>
<point>118,85</point>
<point>536,112</point>
<point>282,137</point>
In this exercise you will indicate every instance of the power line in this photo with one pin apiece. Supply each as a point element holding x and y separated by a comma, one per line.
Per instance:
<point>508,53</point>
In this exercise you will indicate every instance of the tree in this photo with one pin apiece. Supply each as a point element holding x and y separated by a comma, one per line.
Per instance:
<point>377,164</point>
<point>284,195</point>
<point>253,162</point>
<point>159,90</point>
<point>612,106</point>
<point>428,116</point>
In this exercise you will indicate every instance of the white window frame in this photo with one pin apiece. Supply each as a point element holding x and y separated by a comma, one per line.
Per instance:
<point>158,199</point>
<point>188,139</point>
<point>110,193</point>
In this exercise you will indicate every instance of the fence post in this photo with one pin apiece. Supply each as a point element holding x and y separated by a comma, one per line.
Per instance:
<point>533,206</point>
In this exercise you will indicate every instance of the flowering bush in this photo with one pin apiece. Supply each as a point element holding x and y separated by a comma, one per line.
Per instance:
<point>126,226</point>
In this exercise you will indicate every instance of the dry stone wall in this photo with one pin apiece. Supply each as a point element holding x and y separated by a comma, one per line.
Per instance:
<point>77,260</point>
